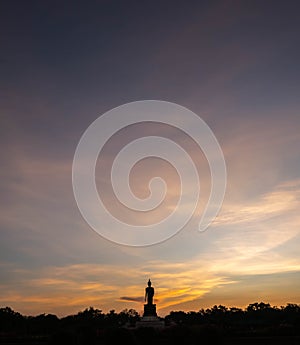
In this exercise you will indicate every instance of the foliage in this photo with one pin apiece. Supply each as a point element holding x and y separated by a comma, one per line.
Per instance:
<point>92,326</point>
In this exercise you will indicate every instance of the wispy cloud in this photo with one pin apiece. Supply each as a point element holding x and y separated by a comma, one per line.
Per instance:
<point>73,287</point>
<point>286,197</point>
<point>132,299</point>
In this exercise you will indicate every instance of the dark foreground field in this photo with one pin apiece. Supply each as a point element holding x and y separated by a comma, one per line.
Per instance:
<point>131,338</point>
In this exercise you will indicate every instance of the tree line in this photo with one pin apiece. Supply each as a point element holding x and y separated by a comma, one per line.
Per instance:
<point>92,326</point>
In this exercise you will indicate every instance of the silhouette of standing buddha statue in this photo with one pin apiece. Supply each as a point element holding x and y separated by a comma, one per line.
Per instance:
<point>149,308</point>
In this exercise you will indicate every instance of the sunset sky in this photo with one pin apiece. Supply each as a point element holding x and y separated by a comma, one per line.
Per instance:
<point>235,64</point>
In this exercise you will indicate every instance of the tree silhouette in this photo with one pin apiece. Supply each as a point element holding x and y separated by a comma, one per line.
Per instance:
<point>92,326</point>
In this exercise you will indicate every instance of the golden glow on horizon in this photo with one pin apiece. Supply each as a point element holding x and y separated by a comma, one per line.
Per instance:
<point>70,288</point>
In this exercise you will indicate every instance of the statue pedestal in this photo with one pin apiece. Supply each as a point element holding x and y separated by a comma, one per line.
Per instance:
<point>150,318</point>
<point>150,321</point>
<point>149,310</point>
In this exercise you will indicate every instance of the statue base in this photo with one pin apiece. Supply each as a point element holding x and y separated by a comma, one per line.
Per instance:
<point>150,310</point>
<point>150,318</point>
<point>150,321</point>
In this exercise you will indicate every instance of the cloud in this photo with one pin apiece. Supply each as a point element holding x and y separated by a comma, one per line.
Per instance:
<point>70,288</point>
<point>244,230</point>
<point>132,299</point>
<point>286,197</point>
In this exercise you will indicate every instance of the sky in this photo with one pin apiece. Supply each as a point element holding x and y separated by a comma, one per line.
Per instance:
<point>233,63</point>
